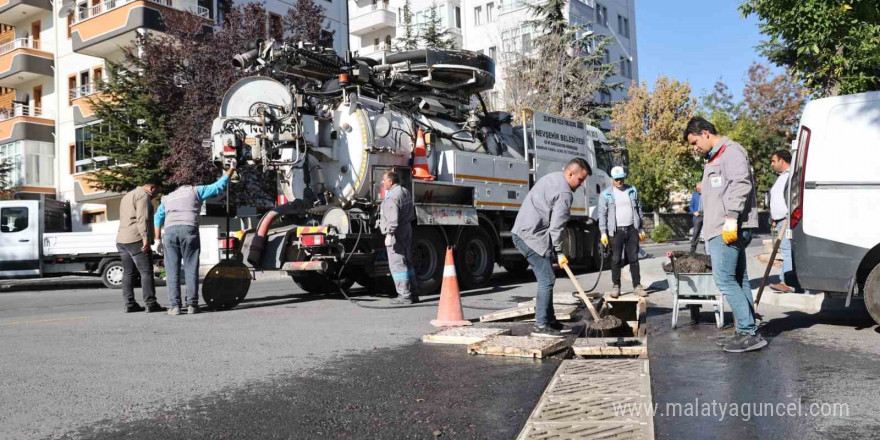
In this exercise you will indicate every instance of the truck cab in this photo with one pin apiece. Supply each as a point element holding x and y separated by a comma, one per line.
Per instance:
<point>20,228</point>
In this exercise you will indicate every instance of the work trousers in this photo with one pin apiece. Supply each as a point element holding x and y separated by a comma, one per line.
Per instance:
<point>182,246</point>
<point>133,258</point>
<point>625,242</point>
<point>400,261</point>
<point>542,266</point>
<point>732,278</point>
<point>788,276</point>
<point>698,228</point>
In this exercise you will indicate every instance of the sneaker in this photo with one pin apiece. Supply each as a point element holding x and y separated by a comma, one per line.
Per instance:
<point>744,343</point>
<point>134,308</point>
<point>192,309</point>
<point>782,288</point>
<point>174,311</point>
<point>546,332</point>
<point>402,300</point>
<point>556,325</point>
<point>640,291</point>
<point>726,339</point>
<point>155,307</point>
<point>615,292</point>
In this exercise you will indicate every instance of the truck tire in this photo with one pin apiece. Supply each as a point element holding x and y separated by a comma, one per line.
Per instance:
<point>474,258</point>
<point>111,275</point>
<point>872,294</point>
<point>318,284</point>
<point>429,257</point>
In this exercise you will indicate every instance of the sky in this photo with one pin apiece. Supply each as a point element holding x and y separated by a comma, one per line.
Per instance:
<point>696,40</point>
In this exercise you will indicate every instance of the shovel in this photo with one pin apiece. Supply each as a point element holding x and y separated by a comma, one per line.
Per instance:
<point>605,323</point>
<point>770,264</point>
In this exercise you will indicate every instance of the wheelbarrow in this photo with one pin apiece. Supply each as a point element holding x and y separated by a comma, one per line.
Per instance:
<point>694,290</point>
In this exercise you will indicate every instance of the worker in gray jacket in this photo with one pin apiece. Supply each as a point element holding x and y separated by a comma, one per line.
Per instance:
<point>730,216</point>
<point>179,213</point>
<point>537,234</point>
<point>396,217</point>
<point>620,217</point>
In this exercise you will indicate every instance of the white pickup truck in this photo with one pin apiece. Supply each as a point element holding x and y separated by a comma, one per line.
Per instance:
<point>35,242</point>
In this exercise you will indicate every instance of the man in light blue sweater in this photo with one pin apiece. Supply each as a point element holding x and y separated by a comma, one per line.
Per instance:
<point>179,212</point>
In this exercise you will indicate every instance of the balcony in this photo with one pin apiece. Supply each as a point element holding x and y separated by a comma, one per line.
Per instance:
<point>80,99</point>
<point>25,60</point>
<point>23,122</point>
<point>372,20</point>
<point>101,30</point>
<point>13,12</point>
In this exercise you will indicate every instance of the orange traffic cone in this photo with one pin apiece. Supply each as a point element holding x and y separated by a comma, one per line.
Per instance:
<point>450,314</point>
<point>420,159</point>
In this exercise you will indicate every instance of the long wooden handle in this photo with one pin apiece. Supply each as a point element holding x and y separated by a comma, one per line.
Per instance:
<point>770,263</point>
<point>581,293</point>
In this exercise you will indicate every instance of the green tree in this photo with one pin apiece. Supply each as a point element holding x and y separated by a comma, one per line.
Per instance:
<point>132,134</point>
<point>833,46</point>
<point>559,68</point>
<point>409,39</point>
<point>433,34</point>
<point>650,124</point>
<point>6,184</point>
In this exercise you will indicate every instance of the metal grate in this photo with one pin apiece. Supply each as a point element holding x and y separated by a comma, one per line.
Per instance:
<point>610,367</point>
<point>592,408</point>
<point>583,431</point>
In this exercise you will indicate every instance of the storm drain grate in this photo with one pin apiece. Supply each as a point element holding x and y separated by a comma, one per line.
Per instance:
<point>594,399</point>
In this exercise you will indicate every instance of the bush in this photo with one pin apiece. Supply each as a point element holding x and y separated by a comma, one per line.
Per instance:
<point>661,234</point>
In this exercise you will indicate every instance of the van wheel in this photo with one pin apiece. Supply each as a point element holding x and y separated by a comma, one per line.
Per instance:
<point>111,275</point>
<point>872,294</point>
<point>474,258</point>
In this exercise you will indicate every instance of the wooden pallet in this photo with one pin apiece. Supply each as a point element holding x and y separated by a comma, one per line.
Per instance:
<point>518,346</point>
<point>525,312</point>
<point>560,298</point>
<point>595,347</point>
<point>563,313</point>
<point>463,335</point>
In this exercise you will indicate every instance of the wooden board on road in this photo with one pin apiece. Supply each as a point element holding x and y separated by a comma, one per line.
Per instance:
<point>518,346</point>
<point>463,335</point>
<point>522,313</point>
<point>595,347</point>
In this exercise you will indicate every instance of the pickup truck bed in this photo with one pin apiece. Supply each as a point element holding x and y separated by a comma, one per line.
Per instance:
<point>79,243</point>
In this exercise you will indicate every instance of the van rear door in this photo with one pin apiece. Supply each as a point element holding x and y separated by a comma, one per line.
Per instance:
<point>19,238</point>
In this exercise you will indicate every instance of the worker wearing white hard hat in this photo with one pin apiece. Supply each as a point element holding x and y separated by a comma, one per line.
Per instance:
<point>620,222</point>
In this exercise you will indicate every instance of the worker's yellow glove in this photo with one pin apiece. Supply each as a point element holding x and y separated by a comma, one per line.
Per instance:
<point>604,240</point>
<point>729,232</point>
<point>642,236</point>
<point>562,260</point>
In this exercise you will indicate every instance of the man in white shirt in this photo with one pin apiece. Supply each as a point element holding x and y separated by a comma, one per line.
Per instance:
<point>780,161</point>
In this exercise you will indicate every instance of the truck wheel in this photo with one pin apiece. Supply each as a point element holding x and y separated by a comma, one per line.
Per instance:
<point>111,275</point>
<point>429,257</point>
<point>872,294</point>
<point>317,284</point>
<point>474,258</point>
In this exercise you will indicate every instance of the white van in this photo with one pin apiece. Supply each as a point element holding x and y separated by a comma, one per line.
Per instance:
<point>835,197</point>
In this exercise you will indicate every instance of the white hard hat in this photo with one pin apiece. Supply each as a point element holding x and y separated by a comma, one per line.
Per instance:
<point>618,173</point>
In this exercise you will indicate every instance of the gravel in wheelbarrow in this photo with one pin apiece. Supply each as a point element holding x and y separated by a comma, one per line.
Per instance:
<point>689,262</point>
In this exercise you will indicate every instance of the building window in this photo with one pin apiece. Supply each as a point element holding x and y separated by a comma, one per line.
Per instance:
<point>85,155</point>
<point>69,22</point>
<point>607,56</point>
<point>11,153</point>
<point>478,11</point>
<point>490,12</point>
<point>629,69</point>
<point>601,15</point>
<point>13,219</point>
<point>376,44</point>
<point>40,160</point>
<point>94,216</point>
<point>493,51</point>
<point>526,43</point>
<point>457,17</point>
<point>275,29</point>
<point>623,26</point>
<point>387,42</point>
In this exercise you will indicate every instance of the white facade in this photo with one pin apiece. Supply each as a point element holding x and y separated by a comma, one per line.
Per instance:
<point>496,27</point>
<point>53,76</point>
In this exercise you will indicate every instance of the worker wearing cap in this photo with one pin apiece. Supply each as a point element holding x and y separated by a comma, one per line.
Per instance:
<point>537,234</point>
<point>620,218</point>
<point>395,221</point>
<point>730,216</point>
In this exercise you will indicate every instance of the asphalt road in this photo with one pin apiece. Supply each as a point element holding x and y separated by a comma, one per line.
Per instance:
<point>290,365</point>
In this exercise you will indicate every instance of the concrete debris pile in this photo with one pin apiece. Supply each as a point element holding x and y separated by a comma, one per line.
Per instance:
<point>687,262</point>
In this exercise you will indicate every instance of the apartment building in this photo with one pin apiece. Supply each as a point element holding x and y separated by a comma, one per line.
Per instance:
<point>50,55</point>
<point>499,27</point>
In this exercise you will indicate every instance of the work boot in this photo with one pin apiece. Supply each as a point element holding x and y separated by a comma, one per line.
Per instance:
<point>155,307</point>
<point>546,332</point>
<point>402,300</point>
<point>782,287</point>
<point>134,308</point>
<point>640,291</point>
<point>744,343</point>
<point>615,292</point>
<point>192,309</point>
<point>174,311</point>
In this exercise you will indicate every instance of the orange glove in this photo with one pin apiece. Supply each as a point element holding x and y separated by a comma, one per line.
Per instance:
<point>729,232</point>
